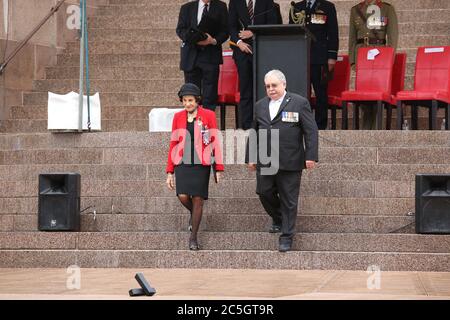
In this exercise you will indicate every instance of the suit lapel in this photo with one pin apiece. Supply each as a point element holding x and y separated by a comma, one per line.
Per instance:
<point>194,14</point>
<point>286,100</point>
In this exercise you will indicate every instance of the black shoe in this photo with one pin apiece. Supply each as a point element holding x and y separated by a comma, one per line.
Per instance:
<point>285,245</point>
<point>193,244</point>
<point>275,228</point>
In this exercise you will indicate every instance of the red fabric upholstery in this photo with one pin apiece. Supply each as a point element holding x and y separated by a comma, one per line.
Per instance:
<point>373,77</point>
<point>228,80</point>
<point>431,76</point>
<point>340,81</point>
<point>398,75</point>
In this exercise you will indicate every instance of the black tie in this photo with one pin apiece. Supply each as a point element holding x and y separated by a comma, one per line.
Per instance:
<point>308,7</point>
<point>205,11</point>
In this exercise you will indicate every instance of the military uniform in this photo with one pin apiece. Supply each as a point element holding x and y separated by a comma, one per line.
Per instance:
<point>321,20</point>
<point>372,23</point>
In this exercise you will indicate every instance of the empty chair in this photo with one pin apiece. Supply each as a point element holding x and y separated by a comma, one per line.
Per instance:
<point>373,83</point>
<point>431,85</point>
<point>398,84</point>
<point>228,86</point>
<point>337,85</point>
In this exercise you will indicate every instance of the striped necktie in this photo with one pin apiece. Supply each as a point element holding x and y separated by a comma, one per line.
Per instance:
<point>250,10</point>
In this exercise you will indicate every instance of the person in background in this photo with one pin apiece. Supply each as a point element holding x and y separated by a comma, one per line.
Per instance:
<point>200,60</point>
<point>194,143</point>
<point>321,20</point>
<point>372,23</point>
<point>243,13</point>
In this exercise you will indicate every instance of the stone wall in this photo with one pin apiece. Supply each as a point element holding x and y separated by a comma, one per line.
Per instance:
<point>17,19</point>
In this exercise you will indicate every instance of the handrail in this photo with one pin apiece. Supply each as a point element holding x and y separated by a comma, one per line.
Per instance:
<point>53,10</point>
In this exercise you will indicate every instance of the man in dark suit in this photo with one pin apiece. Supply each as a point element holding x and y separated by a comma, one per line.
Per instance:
<point>278,13</point>
<point>321,20</point>
<point>285,141</point>
<point>200,59</point>
<point>243,13</point>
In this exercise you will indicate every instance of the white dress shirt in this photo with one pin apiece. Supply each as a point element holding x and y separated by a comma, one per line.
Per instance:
<point>274,106</point>
<point>201,5</point>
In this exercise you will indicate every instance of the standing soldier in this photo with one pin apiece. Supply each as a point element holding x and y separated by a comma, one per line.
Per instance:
<point>372,23</point>
<point>321,20</point>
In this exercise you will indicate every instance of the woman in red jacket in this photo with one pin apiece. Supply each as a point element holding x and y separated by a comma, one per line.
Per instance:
<point>194,140</point>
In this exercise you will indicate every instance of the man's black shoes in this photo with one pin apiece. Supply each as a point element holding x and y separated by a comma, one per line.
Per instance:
<point>285,245</point>
<point>275,228</point>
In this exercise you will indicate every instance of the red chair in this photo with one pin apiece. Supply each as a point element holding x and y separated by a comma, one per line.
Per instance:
<point>373,84</point>
<point>228,86</point>
<point>339,83</point>
<point>398,84</point>
<point>431,85</point>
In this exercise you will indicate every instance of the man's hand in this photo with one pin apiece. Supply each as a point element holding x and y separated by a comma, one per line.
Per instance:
<point>207,41</point>
<point>310,164</point>
<point>331,64</point>
<point>170,181</point>
<point>251,166</point>
<point>245,34</point>
<point>245,47</point>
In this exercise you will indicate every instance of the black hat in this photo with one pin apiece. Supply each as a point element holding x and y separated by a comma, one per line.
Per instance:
<point>189,89</point>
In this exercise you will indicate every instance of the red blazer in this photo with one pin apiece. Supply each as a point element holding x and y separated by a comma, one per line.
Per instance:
<point>177,139</point>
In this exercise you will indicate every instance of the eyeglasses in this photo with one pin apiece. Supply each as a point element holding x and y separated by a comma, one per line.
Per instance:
<point>271,85</point>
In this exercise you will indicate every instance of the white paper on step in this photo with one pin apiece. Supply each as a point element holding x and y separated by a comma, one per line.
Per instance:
<point>371,54</point>
<point>160,119</point>
<point>434,50</point>
<point>63,111</point>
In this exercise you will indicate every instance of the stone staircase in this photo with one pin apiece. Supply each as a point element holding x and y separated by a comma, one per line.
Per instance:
<point>134,59</point>
<point>355,207</point>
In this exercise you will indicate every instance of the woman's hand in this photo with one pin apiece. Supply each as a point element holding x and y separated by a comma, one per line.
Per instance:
<point>170,181</point>
<point>218,176</point>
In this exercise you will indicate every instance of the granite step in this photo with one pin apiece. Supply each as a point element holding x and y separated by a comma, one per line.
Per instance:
<point>39,126</point>
<point>137,73</point>
<point>328,138</point>
<point>232,189</point>
<point>222,241</point>
<point>117,98</point>
<point>122,60</point>
<point>225,259</point>
<point>158,85</point>
<point>213,222</point>
<point>111,73</point>
<point>139,206</point>
<point>147,19</point>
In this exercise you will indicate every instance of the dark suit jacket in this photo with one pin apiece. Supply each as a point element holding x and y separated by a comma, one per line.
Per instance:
<point>326,45</point>
<point>298,141</point>
<point>188,18</point>
<point>278,13</point>
<point>238,19</point>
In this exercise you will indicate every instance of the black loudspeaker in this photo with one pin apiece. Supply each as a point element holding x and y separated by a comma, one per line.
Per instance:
<point>433,203</point>
<point>59,202</point>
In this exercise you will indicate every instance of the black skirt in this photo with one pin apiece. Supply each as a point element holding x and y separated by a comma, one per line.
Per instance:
<point>192,180</point>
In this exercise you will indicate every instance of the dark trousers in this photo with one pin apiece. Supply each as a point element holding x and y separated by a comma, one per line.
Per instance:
<point>279,196</point>
<point>206,77</point>
<point>245,71</point>
<point>319,81</point>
